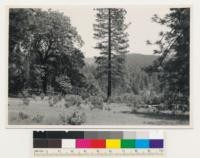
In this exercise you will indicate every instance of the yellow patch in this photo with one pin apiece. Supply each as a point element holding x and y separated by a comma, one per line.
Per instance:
<point>113,143</point>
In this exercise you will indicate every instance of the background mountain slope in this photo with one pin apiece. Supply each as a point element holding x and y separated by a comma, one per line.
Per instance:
<point>133,60</point>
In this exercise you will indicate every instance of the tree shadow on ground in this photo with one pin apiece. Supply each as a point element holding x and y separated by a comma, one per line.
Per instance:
<point>159,116</point>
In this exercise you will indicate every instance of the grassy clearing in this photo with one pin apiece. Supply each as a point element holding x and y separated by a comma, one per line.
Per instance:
<point>40,112</point>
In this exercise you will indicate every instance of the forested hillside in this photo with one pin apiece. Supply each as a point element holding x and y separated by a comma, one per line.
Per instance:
<point>133,59</point>
<point>137,80</point>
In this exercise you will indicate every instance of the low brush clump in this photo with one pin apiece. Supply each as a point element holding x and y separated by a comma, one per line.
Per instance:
<point>42,96</point>
<point>26,101</point>
<point>135,102</point>
<point>23,116</point>
<point>38,118</point>
<point>72,100</point>
<point>34,97</point>
<point>122,98</point>
<point>51,104</point>
<point>97,102</point>
<point>76,118</point>
<point>54,100</point>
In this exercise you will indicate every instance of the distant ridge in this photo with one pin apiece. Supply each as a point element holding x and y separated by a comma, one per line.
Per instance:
<point>140,60</point>
<point>133,60</point>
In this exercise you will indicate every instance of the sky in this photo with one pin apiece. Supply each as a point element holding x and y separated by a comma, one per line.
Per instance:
<point>142,27</point>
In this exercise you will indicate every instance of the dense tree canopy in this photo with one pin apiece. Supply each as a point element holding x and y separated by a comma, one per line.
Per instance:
<point>173,63</point>
<point>43,46</point>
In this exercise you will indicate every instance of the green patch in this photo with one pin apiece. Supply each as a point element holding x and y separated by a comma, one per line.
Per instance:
<point>127,143</point>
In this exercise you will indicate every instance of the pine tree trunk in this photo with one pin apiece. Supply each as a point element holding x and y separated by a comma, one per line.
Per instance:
<point>44,84</point>
<point>109,54</point>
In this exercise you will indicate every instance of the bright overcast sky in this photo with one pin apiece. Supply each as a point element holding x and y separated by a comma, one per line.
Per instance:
<point>141,29</point>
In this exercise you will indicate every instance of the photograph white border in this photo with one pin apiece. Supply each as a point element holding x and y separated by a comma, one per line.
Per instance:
<point>103,126</point>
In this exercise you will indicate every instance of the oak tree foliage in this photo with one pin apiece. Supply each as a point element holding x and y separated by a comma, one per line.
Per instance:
<point>43,46</point>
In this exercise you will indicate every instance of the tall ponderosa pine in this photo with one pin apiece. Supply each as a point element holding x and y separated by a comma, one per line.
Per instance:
<point>110,31</point>
<point>173,64</point>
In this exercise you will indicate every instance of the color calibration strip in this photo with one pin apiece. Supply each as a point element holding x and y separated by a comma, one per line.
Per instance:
<point>98,142</point>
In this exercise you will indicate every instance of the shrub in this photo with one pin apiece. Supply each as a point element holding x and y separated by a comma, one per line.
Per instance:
<point>67,104</point>
<point>52,100</point>
<point>112,99</point>
<point>20,95</point>
<point>135,102</point>
<point>59,97</point>
<point>152,109</point>
<point>26,101</point>
<point>107,107</point>
<point>83,93</point>
<point>152,98</point>
<point>34,97</point>
<point>146,98</point>
<point>50,103</point>
<point>96,101</point>
<point>55,99</point>
<point>42,95</point>
<point>162,106</point>
<point>77,100</point>
<point>122,98</point>
<point>50,96</point>
<point>128,97</point>
<point>23,116</point>
<point>38,118</point>
<point>25,93</point>
<point>103,96</point>
<point>77,118</point>
<point>155,100</point>
<point>63,84</point>
<point>73,100</point>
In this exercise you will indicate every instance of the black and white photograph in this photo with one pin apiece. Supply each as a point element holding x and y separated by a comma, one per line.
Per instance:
<point>91,65</point>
